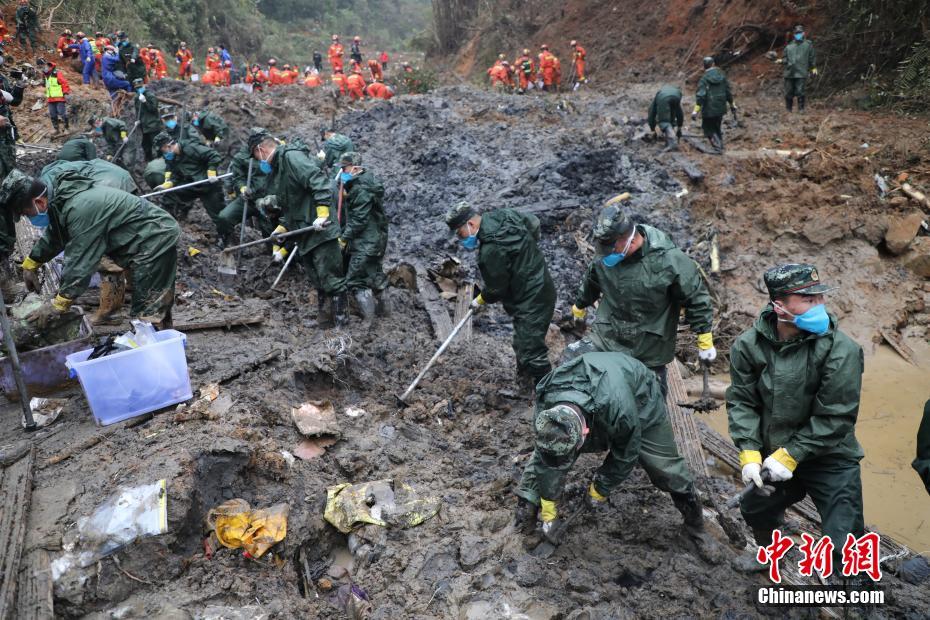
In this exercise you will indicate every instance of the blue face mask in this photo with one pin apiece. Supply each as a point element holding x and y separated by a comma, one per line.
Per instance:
<point>345,177</point>
<point>40,220</point>
<point>171,124</point>
<point>169,155</point>
<point>799,36</point>
<point>265,167</point>
<point>140,90</point>
<point>470,243</point>
<point>98,130</point>
<point>815,320</point>
<point>196,122</point>
<point>615,258</point>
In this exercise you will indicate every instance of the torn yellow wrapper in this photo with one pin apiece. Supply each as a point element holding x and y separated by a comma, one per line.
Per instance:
<point>238,526</point>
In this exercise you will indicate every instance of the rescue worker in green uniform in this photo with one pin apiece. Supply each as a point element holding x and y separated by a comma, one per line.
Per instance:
<point>129,56</point>
<point>921,464</point>
<point>792,404</point>
<point>800,61</point>
<point>334,146</point>
<point>187,161</point>
<point>11,94</point>
<point>112,131</point>
<point>78,148</point>
<point>154,173</point>
<point>642,281</point>
<point>97,170</point>
<point>666,112</point>
<point>148,116</point>
<point>247,191</point>
<point>364,234</point>
<point>515,273</point>
<point>27,25</point>
<point>211,126</point>
<point>713,95</point>
<point>302,192</point>
<point>171,125</point>
<point>595,403</point>
<point>87,220</point>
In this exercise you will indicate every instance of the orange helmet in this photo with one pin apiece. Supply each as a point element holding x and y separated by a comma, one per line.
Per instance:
<point>209,50</point>
<point>335,37</point>
<point>526,52</point>
<point>272,61</point>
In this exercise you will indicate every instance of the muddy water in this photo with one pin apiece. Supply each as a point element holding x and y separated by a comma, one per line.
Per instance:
<point>893,397</point>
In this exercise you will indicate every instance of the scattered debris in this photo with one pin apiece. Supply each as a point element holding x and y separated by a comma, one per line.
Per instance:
<point>313,448</point>
<point>46,410</point>
<point>235,525</point>
<point>316,418</point>
<point>378,503</point>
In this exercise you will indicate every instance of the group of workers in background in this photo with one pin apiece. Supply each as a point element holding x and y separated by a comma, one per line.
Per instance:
<point>543,72</point>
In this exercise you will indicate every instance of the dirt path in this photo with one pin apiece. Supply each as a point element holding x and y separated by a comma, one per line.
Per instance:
<point>467,434</point>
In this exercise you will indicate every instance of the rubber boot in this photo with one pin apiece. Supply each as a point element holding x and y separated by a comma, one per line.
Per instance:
<point>525,517</point>
<point>671,142</point>
<point>67,124</point>
<point>112,294</point>
<point>801,102</point>
<point>55,124</point>
<point>691,509</point>
<point>324,315</point>
<point>366,305</point>
<point>789,103</point>
<point>381,308</point>
<point>746,562</point>
<point>340,303</point>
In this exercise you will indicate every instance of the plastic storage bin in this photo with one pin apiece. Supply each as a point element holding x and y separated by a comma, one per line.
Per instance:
<point>130,383</point>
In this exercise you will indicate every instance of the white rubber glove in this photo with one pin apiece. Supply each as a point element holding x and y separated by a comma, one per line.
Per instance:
<point>752,472</point>
<point>126,139</point>
<point>777,471</point>
<point>142,98</point>
<point>320,222</point>
<point>707,355</point>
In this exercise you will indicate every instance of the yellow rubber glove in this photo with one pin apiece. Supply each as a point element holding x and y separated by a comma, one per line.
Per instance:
<point>342,243</point>
<point>30,264</point>
<point>592,492</point>
<point>243,189</point>
<point>547,510</point>
<point>167,175</point>
<point>61,303</point>
<point>166,185</point>
<point>696,109</point>
<point>216,139</point>
<point>579,313</point>
<point>123,135</point>
<point>781,455</point>
<point>750,456</point>
<point>705,341</point>
<point>278,252</point>
<point>322,211</point>
<point>814,71</point>
<point>211,175</point>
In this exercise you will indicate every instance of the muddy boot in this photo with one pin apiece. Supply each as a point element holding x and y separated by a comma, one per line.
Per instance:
<point>746,561</point>
<point>340,304</point>
<point>67,124</point>
<point>671,142</point>
<point>801,102</point>
<point>366,305</point>
<point>789,103</point>
<point>690,508</point>
<point>525,516</point>
<point>381,308</point>
<point>55,124</point>
<point>324,315</point>
<point>112,293</point>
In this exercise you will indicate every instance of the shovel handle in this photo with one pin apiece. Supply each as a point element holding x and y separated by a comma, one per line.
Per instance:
<point>438,352</point>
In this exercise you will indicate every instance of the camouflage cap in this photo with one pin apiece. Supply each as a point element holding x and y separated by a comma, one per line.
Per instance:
<point>138,82</point>
<point>257,135</point>
<point>794,279</point>
<point>161,139</point>
<point>612,223</point>
<point>14,188</point>
<point>799,28</point>
<point>558,431</point>
<point>460,213</point>
<point>350,158</point>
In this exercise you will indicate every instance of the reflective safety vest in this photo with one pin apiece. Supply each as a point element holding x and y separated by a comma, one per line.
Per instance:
<point>93,46</point>
<point>53,88</point>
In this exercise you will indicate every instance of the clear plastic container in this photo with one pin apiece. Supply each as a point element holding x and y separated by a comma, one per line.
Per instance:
<point>130,383</point>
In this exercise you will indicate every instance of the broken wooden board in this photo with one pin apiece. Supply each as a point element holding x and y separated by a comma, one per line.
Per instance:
<point>34,600</point>
<point>687,435</point>
<point>896,343</point>
<point>436,308</point>
<point>15,499</point>
<point>191,326</point>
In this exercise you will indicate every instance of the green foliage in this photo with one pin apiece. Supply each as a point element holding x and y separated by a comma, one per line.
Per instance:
<point>419,81</point>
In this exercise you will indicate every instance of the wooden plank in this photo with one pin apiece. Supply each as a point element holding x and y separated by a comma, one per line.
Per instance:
<point>15,498</point>
<point>463,304</point>
<point>435,306</point>
<point>686,432</point>
<point>35,600</point>
<point>190,326</point>
<point>898,345</point>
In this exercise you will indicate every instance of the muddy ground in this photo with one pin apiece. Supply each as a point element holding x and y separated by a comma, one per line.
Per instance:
<point>467,433</point>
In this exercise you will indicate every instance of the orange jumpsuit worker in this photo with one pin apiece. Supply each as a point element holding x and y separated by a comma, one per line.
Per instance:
<point>377,90</point>
<point>339,81</point>
<point>161,67</point>
<point>355,84</point>
<point>312,79</point>
<point>526,70</point>
<point>225,74</point>
<point>578,55</point>
<point>257,78</point>
<point>335,53</point>
<point>274,74</point>
<point>212,62</point>
<point>547,67</point>
<point>374,68</point>
<point>185,60</point>
<point>65,41</point>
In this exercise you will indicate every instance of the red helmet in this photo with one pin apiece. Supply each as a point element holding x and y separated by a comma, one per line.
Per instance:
<point>335,37</point>
<point>272,61</point>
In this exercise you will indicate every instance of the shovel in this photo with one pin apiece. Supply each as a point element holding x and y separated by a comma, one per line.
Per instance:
<point>219,177</point>
<point>229,263</point>
<point>402,399</point>
<point>553,537</point>
<point>119,151</point>
<point>706,402</point>
<point>287,264</point>
<point>749,489</point>
<point>29,423</point>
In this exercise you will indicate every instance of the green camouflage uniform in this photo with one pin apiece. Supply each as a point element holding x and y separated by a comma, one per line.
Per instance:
<point>365,231</point>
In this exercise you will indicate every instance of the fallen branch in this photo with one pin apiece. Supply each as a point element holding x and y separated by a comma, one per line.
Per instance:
<point>269,357</point>
<point>90,442</point>
<point>915,195</point>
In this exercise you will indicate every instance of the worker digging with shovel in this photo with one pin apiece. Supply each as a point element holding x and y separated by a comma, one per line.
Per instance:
<point>604,402</point>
